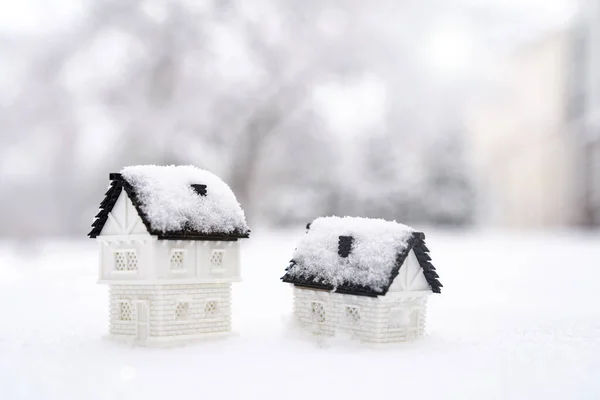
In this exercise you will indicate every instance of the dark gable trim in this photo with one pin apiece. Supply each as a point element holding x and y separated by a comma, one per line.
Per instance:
<point>110,198</point>
<point>416,243</point>
<point>422,253</point>
<point>118,184</point>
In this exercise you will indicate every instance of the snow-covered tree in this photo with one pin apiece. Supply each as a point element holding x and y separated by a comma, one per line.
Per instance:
<point>449,193</point>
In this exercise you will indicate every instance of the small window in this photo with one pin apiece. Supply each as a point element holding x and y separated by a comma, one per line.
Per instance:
<point>177,258</point>
<point>182,310</point>
<point>126,260</point>
<point>318,311</point>
<point>217,258</point>
<point>352,314</point>
<point>211,308</point>
<point>125,311</point>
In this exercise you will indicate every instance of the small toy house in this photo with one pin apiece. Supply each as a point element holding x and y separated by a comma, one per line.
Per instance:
<point>168,240</point>
<point>368,277</point>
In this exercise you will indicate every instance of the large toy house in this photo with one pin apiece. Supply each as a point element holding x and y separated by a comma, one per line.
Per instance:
<point>168,242</point>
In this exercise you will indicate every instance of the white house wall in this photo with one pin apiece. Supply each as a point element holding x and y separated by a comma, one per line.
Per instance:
<point>197,260</point>
<point>162,301</point>
<point>410,277</point>
<point>111,228</point>
<point>154,260</point>
<point>163,250</point>
<point>378,316</point>
<point>231,260</point>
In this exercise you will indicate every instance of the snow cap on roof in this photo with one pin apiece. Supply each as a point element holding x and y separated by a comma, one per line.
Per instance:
<point>375,246</point>
<point>170,203</point>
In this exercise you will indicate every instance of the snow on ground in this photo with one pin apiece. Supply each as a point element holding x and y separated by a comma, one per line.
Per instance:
<point>519,318</point>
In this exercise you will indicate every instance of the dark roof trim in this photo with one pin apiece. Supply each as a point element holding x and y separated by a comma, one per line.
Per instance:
<point>119,184</point>
<point>214,238</point>
<point>341,290</point>
<point>110,198</point>
<point>416,243</point>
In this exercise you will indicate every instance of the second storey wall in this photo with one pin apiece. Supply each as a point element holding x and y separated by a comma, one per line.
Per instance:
<point>205,260</point>
<point>170,260</point>
<point>134,269</point>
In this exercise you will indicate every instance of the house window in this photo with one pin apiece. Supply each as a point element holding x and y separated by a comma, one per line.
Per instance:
<point>177,257</point>
<point>317,311</point>
<point>182,310</point>
<point>126,260</point>
<point>216,259</point>
<point>352,314</point>
<point>125,311</point>
<point>211,308</point>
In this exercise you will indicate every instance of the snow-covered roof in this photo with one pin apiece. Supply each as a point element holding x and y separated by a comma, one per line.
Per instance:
<point>378,249</point>
<point>178,201</point>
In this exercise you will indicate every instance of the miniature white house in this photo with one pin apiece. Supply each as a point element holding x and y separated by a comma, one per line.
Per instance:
<point>169,249</point>
<point>368,277</point>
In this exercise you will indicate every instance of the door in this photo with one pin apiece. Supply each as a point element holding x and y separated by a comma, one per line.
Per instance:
<point>142,321</point>
<point>412,331</point>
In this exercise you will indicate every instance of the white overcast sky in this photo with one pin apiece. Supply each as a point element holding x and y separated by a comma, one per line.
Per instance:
<point>25,16</point>
<point>493,25</point>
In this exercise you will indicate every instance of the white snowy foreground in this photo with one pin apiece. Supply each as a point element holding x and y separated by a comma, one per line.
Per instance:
<point>518,318</point>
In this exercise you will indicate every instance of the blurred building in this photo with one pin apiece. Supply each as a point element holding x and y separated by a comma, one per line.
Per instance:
<point>523,153</point>
<point>583,102</point>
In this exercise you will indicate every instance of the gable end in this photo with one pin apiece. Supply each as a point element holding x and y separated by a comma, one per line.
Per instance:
<point>417,244</point>
<point>117,185</point>
<point>431,275</point>
<point>110,199</point>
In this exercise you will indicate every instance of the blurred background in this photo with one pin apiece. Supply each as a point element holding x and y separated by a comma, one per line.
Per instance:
<point>437,112</point>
